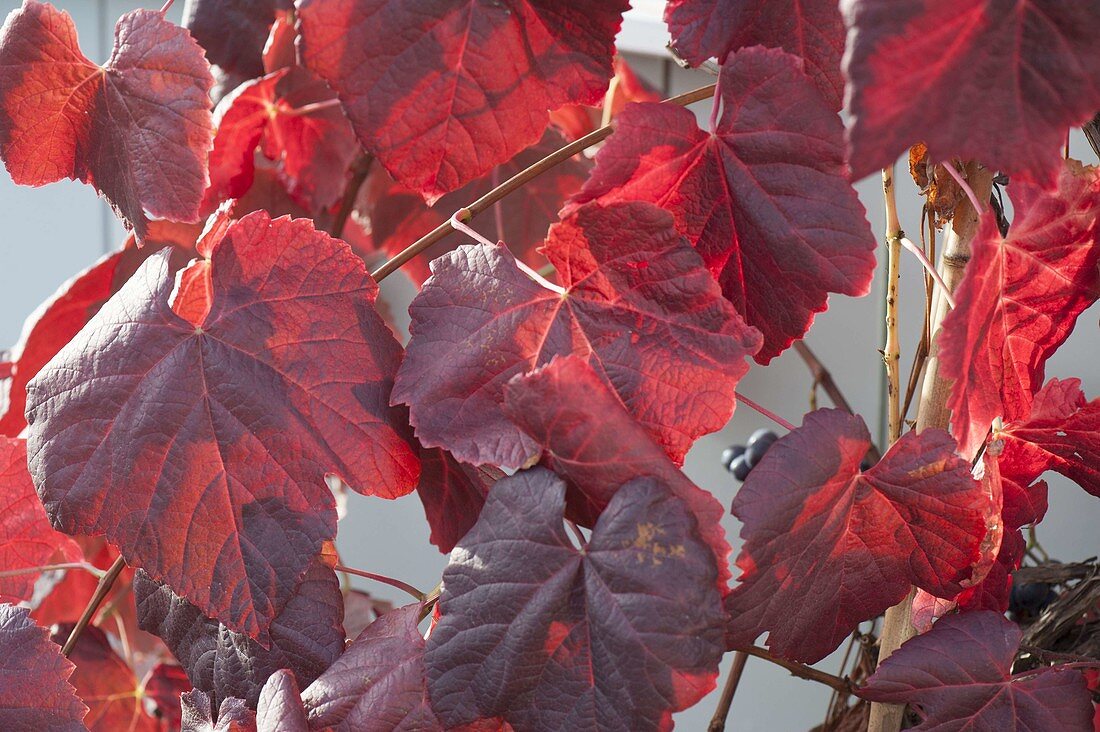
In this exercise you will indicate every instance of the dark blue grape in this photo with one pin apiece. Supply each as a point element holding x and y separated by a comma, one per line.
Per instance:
<point>866,464</point>
<point>757,448</point>
<point>730,453</point>
<point>740,468</point>
<point>1026,601</point>
<point>761,435</point>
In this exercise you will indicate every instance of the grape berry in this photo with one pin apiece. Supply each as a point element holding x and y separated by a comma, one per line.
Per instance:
<point>1027,601</point>
<point>740,459</point>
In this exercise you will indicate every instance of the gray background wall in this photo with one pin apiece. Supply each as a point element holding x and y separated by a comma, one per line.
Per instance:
<point>51,233</point>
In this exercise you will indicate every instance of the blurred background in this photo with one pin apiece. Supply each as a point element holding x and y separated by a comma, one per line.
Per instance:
<point>52,233</point>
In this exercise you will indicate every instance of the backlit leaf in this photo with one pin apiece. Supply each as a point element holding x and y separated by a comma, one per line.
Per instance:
<point>999,82</point>
<point>828,546</point>
<point>959,676</point>
<point>137,128</point>
<point>637,304</point>
<point>547,636</point>
<point>199,444</point>
<point>106,684</point>
<point>1019,301</point>
<point>453,493</point>
<point>464,84</point>
<point>764,197</point>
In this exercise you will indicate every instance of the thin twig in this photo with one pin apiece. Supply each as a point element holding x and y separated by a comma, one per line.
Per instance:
<point>802,671</point>
<point>930,269</point>
<point>359,170</point>
<point>1092,134</point>
<point>891,352</point>
<point>1046,656</point>
<point>718,721</point>
<point>825,379</point>
<point>106,582</point>
<point>920,355</point>
<point>764,411</point>
<point>518,181</point>
<point>89,568</point>
<point>974,200</point>
<point>403,586</point>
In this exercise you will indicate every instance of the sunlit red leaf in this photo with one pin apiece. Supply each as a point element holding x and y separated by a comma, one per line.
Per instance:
<point>430,102</point>
<point>811,29</point>
<point>453,493</point>
<point>827,546</point>
<point>547,636</point>
<point>959,677</point>
<point>378,685</point>
<point>138,128</point>
<point>973,79</point>
<point>305,637</point>
<point>106,684</point>
<point>1061,433</point>
<point>399,216</point>
<point>36,693</point>
<point>637,304</point>
<point>279,49</point>
<point>764,197</point>
<point>200,714</point>
<point>293,117</point>
<point>200,448</point>
<point>1019,301</point>
<point>589,439</point>
<point>57,320</point>
<point>26,538</point>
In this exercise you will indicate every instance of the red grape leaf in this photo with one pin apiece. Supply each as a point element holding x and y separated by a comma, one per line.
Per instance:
<point>280,49</point>
<point>26,538</point>
<point>199,716</point>
<point>764,198</point>
<point>1019,301</point>
<point>378,685</point>
<point>959,675</point>
<point>399,216</point>
<point>106,684</point>
<point>430,103</point>
<point>453,493</point>
<point>811,29</point>
<point>293,116</point>
<point>138,128</point>
<point>285,380</point>
<point>57,320</point>
<point>673,353</point>
<point>268,192</point>
<point>36,693</point>
<point>306,636</point>
<point>577,120</point>
<point>162,687</point>
<point>360,610</point>
<point>280,706</point>
<point>233,32</point>
<point>1061,433</point>
<point>548,636</point>
<point>589,439</point>
<point>827,546</point>
<point>972,79</point>
<point>993,591</point>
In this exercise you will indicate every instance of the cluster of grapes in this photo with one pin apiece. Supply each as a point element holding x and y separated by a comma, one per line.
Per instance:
<point>740,459</point>
<point>1028,600</point>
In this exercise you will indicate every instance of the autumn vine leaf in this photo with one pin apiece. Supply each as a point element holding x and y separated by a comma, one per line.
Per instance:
<point>1019,301</point>
<point>429,103</point>
<point>673,353</point>
<point>272,368</point>
<point>138,128</point>
<point>810,29</point>
<point>27,540</point>
<point>828,546</point>
<point>105,682</point>
<point>544,635</point>
<point>453,493</point>
<point>960,676</point>
<point>764,197</point>
<point>39,695</point>
<point>295,120</point>
<point>233,32</point>
<point>972,79</point>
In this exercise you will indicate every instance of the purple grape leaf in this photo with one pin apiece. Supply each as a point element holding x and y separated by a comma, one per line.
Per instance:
<point>279,708</point>
<point>35,693</point>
